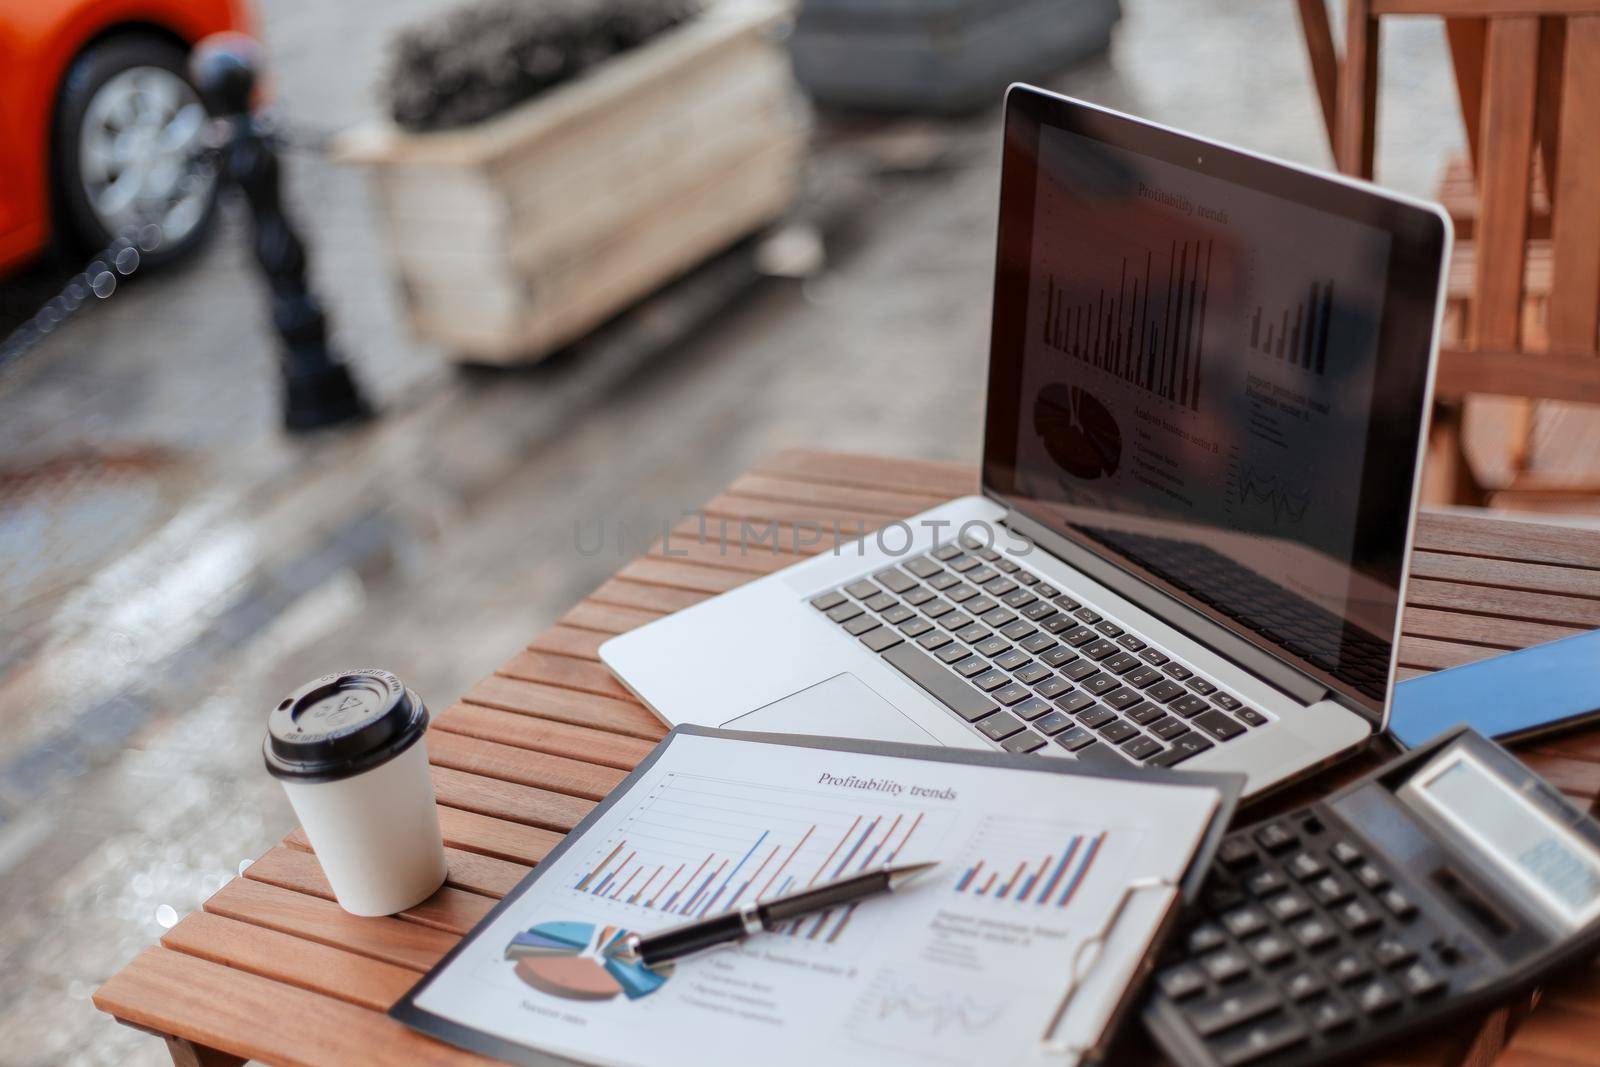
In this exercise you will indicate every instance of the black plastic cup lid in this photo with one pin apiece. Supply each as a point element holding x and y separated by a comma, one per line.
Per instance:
<point>341,725</point>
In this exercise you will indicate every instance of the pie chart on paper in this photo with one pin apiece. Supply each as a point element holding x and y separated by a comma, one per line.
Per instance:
<point>1078,431</point>
<point>568,960</point>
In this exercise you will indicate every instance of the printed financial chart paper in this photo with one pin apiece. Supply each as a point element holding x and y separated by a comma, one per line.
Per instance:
<point>967,963</point>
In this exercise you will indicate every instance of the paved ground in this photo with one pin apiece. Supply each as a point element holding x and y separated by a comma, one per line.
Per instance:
<point>219,565</point>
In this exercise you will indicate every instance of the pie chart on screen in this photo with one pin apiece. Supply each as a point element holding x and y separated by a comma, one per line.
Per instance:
<point>568,960</point>
<point>1078,431</point>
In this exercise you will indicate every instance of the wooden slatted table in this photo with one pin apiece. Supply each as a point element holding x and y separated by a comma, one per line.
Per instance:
<point>271,969</point>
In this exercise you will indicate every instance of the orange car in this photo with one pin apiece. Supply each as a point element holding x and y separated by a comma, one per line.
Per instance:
<point>97,120</point>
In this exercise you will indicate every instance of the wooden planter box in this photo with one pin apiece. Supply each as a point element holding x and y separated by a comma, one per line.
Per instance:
<point>517,235</point>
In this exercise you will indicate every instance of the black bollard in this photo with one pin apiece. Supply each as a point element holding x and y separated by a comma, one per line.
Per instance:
<point>318,389</point>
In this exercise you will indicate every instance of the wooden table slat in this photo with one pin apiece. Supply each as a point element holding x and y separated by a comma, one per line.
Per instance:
<point>510,763</point>
<point>468,870</point>
<point>565,705</point>
<point>454,911</point>
<point>580,642</point>
<point>499,838</point>
<point>554,738</point>
<point>511,801</point>
<point>897,474</point>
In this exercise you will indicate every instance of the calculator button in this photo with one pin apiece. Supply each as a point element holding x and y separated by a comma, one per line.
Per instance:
<point>1183,980</point>
<point>1216,1014</point>
<point>1250,1043</point>
<point>1330,889</point>
<point>1286,907</point>
<point>1275,837</point>
<point>1303,983</point>
<point>1314,933</point>
<point>1398,903</point>
<point>1329,1014</point>
<point>1420,980</point>
<point>1371,877</point>
<point>1266,881</point>
<point>1392,952</point>
<point>1345,853</point>
<point>1304,865</point>
<point>1236,852</point>
<point>1348,967</point>
<point>1358,918</point>
<point>1205,937</point>
<point>1225,965</point>
<point>1242,922</point>
<point>1270,949</point>
<point>1377,996</point>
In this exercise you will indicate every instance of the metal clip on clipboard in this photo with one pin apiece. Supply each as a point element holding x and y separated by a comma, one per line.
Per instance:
<point>1087,957</point>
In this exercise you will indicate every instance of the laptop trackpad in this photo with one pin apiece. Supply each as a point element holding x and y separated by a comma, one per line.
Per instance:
<point>842,706</point>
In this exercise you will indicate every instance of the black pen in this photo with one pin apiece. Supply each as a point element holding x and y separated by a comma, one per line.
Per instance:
<point>677,941</point>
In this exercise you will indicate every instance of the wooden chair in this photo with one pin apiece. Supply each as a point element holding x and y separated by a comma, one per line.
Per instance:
<point>1525,305</point>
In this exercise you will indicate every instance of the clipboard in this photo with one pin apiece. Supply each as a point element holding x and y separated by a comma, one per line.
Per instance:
<point>1226,788</point>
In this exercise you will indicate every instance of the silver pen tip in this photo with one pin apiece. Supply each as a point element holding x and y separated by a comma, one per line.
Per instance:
<point>899,876</point>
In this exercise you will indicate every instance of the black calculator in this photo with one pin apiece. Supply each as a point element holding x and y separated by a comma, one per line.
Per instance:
<point>1442,883</point>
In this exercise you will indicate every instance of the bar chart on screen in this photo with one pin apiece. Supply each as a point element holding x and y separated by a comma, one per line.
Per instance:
<point>698,846</point>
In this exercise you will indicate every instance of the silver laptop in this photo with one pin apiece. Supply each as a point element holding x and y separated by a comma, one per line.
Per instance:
<point>1209,382</point>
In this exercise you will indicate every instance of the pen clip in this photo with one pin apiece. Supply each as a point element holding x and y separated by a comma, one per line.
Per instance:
<point>1085,958</point>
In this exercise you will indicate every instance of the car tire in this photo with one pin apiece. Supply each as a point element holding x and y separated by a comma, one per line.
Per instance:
<point>109,128</point>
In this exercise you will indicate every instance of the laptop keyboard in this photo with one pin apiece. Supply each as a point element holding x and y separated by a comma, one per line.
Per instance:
<point>1029,666</point>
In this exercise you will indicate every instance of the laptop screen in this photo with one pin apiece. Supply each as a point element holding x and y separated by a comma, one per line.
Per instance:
<point>1211,370</point>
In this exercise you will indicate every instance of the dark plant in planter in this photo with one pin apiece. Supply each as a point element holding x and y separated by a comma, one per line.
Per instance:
<point>476,61</point>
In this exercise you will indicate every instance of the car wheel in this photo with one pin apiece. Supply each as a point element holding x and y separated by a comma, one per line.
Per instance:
<point>127,125</point>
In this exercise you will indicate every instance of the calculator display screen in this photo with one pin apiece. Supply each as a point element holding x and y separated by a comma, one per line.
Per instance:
<point>1560,869</point>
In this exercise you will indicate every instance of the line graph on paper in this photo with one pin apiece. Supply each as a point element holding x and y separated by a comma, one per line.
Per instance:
<point>698,846</point>
<point>905,1013</point>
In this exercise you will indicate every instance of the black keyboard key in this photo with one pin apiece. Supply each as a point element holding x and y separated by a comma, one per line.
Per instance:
<point>1303,983</point>
<point>1019,630</point>
<point>1329,1014</point>
<point>974,633</point>
<point>971,666</point>
<point>1047,590</point>
<point>895,579</point>
<point>1055,624</point>
<point>1314,932</point>
<point>1163,692</point>
<point>991,679</point>
<point>1078,636</point>
<point>938,681</point>
<point>934,641</point>
<point>1100,755</point>
<point>1037,642</point>
<point>1012,659</point>
<point>1032,707</point>
<point>1205,937</point>
<point>1079,669</point>
<point>1027,578</point>
<point>961,594</point>
<point>1032,673</point>
<point>1181,981</point>
<point>1288,906</point>
<point>1066,603</point>
<point>1121,698</point>
<point>1201,686</point>
<point>978,606</point>
<point>943,581</point>
<point>1330,889</point>
<point>1110,629</point>
<point>1052,722</point>
<point>1051,687</point>
<point>1216,1014</point>
<point>1215,723</point>
<point>1096,716</point>
<point>1002,587</point>
<point>1153,656</point>
<point>946,552</point>
<point>1121,663</point>
<point>1388,951</point>
<point>896,615</point>
<point>937,609</point>
<point>880,639</point>
<point>1006,566</point>
<point>1225,965</point>
<point>1377,996</point>
<point>1088,615</point>
<point>860,625</point>
<point>981,575</point>
<point>963,564</point>
<point>1074,739</point>
<point>1144,713</point>
<point>1358,918</point>
<point>827,601</point>
<point>1037,610</point>
<point>1271,949</point>
<point>999,726</point>
<point>923,567</point>
<point>1275,837</point>
<point>1116,732</point>
<point>1371,877</point>
<point>1019,600</point>
<point>1023,743</point>
<point>1098,649</point>
<point>991,645</point>
<point>879,602</point>
<point>1167,727</point>
<point>953,653</point>
<point>1189,706</point>
<point>1348,966</point>
<point>1074,702</point>
<point>862,590</point>
<point>1398,903</point>
<point>999,617</point>
<point>1256,1041</point>
<point>1266,881</point>
<point>1189,745</point>
<point>956,620</point>
<point>1421,981</point>
<point>1056,656</point>
<point>844,612</point>
<point>1097,683</point>
<point>1011,694</point>
<point>1304,865</point>
<point>1178,671</point>
<point>984,552</point>
<point>1227,700</point>
<point>1142,678</point>
<point>1246,921</point>
<point>1131,643</point>
<point>1252,717</point>
<point>1236,852</point>
<point>917,597</point>
<point>1345,852</point>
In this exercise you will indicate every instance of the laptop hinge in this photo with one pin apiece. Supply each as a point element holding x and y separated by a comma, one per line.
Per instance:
<point>1275,672</point>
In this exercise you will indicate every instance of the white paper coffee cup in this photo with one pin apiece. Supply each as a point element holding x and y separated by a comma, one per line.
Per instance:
<point>349,751</point>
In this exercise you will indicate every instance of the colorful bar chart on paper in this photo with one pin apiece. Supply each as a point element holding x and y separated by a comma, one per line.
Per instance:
<point>1033,866</point>
<point>698,846</point>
